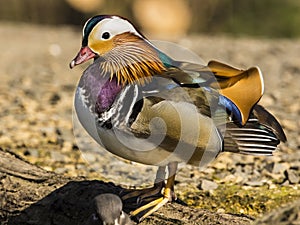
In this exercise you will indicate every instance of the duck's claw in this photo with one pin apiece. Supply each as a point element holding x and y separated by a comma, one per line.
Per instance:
<point>142,212</point>
<point>136,198</point>
<point>149,203</point>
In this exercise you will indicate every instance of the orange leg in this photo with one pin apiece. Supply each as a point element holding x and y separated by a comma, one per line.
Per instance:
<point>145,193</point>
<point>168,195</point>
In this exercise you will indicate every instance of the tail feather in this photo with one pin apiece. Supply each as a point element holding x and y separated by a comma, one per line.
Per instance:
<point>268,120</point>
<point>257,137</point>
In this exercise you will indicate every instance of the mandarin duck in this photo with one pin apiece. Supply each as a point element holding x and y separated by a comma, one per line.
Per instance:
<point>108,211</point>
<point>144,106</point>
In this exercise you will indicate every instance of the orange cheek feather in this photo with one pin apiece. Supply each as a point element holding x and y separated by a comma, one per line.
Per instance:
<point>100,47</point>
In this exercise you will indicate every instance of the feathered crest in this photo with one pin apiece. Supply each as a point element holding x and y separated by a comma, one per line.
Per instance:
<point>132,60</point>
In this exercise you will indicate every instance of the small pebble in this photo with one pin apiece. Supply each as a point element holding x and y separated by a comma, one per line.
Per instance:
<point>229,179</point>
<point>32,152</point>
<point>292,176</point>
<point>57,156</point>
<point>280,167</point>
<point>60,170</point>
<point>256,183</point>
<point>221,210</point>
<point>67,147</point>
<point>207,185</point>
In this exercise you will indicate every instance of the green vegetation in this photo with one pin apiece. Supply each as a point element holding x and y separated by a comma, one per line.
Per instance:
<point>264,18</point>
<point>236,199</point>
<point>270,18</point>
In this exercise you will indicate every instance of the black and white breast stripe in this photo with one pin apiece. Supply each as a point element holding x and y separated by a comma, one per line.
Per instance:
<point>124,110</point>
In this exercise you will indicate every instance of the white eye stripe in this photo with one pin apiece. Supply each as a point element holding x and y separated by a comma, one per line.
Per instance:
<point>114,26</point>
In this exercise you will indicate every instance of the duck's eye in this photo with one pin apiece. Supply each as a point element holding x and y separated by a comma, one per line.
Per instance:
<point>106,35</point>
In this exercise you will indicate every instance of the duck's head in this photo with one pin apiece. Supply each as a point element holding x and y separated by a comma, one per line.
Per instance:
<point>124,51</point>
<point>100,36</point>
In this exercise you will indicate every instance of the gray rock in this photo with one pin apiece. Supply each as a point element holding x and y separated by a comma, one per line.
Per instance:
<point>280,167</point>
<point>292,176</point>
<point>255,183</point>
<point>276,177</point>
<point>207,185</point>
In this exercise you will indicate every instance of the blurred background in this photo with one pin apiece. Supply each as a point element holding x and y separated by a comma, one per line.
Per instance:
<point>263,18</point>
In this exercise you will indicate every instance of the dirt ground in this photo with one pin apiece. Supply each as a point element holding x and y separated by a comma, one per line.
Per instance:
<point>36,97</point>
